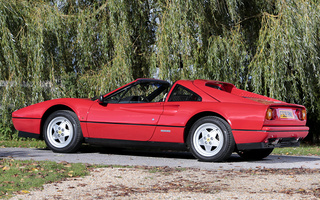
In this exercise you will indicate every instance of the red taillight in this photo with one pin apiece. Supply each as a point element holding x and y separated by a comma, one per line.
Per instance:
<point>301,114</point>
<point>270,114</point>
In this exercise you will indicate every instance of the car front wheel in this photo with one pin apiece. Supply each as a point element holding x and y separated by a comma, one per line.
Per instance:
<point>62,132</point>
<point>210,139</point>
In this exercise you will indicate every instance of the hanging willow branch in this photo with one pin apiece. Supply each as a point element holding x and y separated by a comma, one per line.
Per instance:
<point>52,49</point>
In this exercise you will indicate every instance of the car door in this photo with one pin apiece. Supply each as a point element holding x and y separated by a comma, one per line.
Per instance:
<point>129,114</point>
<point>177,111</point>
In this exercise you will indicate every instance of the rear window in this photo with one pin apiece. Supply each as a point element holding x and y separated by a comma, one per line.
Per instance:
<point>181,93</point>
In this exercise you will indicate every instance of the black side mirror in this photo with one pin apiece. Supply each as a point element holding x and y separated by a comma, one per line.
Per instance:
<point>100,99</point>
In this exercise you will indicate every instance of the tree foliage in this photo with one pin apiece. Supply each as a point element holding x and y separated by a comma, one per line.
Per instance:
<point>63,48</point>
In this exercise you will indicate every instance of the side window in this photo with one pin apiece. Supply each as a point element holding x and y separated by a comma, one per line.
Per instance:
<point>144,92</point>
<point>181,93</point>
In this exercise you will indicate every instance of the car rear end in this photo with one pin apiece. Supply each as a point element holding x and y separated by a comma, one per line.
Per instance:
<point>285,126</point>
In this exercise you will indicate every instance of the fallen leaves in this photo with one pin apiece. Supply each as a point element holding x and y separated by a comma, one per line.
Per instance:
<point>180,184</point>
<point>314,192</point>
<point>82,185</point>
<point>70,173</point>
<point>18,176</point>
<point>293,171</point>
<point>34,169</point>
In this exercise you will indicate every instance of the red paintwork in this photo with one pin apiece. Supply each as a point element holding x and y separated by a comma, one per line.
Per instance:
<point>27,125</point>
<point>32,116</point>
<point>118,116</point>
<point>166,121</point>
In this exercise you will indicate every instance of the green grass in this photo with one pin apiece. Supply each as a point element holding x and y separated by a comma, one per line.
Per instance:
<point>18,176</point>
<point>23,143</point>
<point>303,150</point>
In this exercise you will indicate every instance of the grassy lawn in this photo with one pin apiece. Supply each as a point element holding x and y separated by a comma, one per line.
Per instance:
<point>18,176</point>
<point>303,150</point>
<point>23,143</point>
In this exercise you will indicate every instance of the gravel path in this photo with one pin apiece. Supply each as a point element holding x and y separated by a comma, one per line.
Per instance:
<point>184,183</point>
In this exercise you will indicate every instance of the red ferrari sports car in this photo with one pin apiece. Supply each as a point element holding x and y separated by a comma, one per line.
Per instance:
<point>210,118</point>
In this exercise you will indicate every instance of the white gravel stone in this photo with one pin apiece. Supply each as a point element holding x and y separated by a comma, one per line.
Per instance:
<point>151,183</point>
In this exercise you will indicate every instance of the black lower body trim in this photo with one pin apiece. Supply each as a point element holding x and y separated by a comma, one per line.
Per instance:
<point>129,143</point>
<point>113,123</point>
<point>29,135</point>
<point>272,143</point>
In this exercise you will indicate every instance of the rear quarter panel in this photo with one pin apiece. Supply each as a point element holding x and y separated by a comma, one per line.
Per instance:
<point>176,115</point>
<point>239,116</point>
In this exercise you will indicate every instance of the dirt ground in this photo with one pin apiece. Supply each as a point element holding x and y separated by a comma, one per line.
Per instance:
<point>183,183</point>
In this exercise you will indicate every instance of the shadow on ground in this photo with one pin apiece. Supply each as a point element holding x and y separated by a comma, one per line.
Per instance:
<point>87,150</point>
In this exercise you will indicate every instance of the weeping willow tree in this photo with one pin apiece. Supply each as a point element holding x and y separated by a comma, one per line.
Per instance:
<point>269,47</point>
<point>52,49</point>
<point>62,48</point>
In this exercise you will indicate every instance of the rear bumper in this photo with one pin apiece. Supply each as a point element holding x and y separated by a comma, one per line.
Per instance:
<point>270,137</point>
<point>282,142</point>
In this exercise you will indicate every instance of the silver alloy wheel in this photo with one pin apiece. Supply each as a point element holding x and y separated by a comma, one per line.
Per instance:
<point>208,139</point>
<point>60,132</point>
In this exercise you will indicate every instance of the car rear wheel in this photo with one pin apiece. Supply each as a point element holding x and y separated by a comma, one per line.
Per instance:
<point>210,139</point>
<point>62,132</point>
<point>255,154</point>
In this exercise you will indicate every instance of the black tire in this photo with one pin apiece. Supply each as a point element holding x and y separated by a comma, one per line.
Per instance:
<point>210,139</point>
<point>62,132</point>
<point>255,154</point>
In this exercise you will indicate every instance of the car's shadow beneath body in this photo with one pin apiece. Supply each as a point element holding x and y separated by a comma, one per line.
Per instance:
<point>158,153</point>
